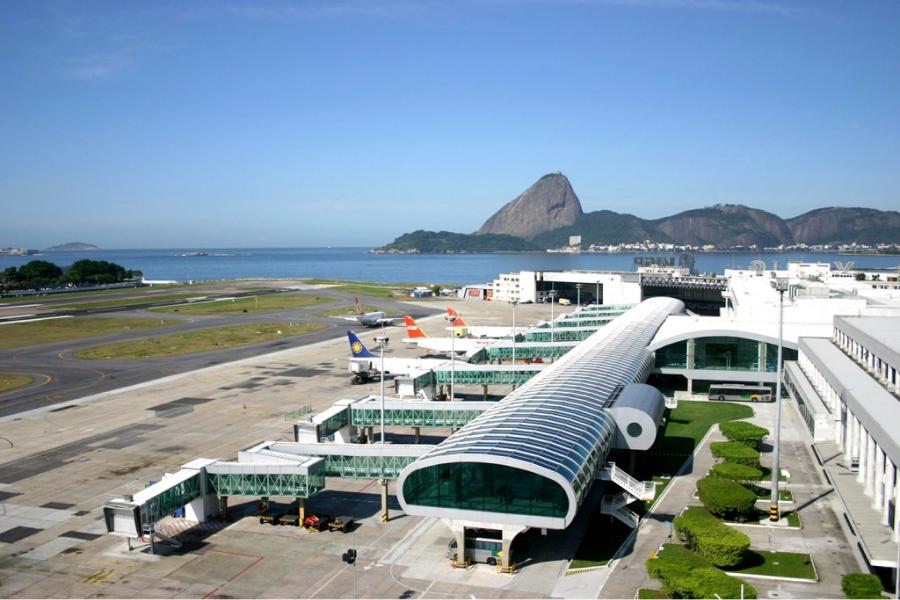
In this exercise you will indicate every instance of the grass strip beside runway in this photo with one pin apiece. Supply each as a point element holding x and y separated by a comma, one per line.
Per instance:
<point>249,304</point>
<point>19,335</point>
<point>13,381</point>
<point>192,342</point>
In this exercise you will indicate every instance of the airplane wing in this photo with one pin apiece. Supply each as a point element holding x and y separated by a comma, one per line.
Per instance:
<point>389,320</point>
<point>346,318</point>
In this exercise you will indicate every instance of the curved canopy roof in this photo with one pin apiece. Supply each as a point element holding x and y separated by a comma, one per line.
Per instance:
<point>555,425</point>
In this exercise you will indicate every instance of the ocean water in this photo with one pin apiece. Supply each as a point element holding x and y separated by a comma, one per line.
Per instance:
<point>359,264</point>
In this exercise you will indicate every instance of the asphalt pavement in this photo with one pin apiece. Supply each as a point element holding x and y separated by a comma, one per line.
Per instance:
<point>58,377</point>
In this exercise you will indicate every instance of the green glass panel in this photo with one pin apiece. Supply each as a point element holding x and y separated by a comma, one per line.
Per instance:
<point>485,487</point>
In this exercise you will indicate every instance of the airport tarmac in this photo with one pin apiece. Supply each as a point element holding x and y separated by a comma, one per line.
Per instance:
<point>59,377</point>
<point>61,463</point>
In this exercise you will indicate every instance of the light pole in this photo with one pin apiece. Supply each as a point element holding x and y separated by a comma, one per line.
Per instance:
<point>452,319</point>
<point>552,294</point>
<point>514,302</point>
<point>597,296</point>
<point>578,288</point>
<point>382,341</point>
<point>780,286</point>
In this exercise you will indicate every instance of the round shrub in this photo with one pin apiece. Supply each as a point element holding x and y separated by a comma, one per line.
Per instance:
<point>736,472</point>
<point>743,432</point>
<point>721,545</point>
<point>726,499</point>
<point>735,452</point>
<point>685,574</point>
<point>861,585</point>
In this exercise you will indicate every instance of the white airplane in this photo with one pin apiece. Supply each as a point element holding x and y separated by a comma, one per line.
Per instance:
<point>363,362</point>
<point>462,329</point>
<point>369,319</point>
<point>459,345</point>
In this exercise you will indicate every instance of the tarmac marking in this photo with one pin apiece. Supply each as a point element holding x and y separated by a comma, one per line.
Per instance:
<point>240,572</point>
<point>330,579</point>
<point>98,577</point>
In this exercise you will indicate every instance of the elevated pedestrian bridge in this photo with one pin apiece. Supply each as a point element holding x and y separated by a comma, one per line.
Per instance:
<point>367,413</point>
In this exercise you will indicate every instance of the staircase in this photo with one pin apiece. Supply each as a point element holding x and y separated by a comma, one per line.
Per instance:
<point>616,505</point>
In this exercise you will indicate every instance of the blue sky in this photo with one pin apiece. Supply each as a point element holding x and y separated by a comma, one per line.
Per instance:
<point>274,123</point>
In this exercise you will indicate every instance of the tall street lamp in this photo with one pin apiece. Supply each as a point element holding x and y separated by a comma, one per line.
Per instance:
<point>552,294</point>
<point>514,303</point>
<point>452,319</point>
<point>781,287</point>
<point>382,341</point>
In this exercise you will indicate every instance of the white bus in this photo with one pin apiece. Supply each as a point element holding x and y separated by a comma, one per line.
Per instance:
<point>739,392</point>
<point>479,549</point>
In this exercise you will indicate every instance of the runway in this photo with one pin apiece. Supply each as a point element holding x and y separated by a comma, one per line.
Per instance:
<point>58,377</point>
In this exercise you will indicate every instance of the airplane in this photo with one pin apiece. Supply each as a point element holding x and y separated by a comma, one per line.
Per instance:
<point>369,319</point>
<point>461,329</point>
<point>363,362</point>
<point>461,345</point>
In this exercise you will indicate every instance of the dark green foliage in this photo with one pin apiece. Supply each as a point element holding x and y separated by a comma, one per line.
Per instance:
<point>40,274</point>
<point>736,471</point>
<point>735,452</point>
<point>718,543</point>
<point>97,272</point>
<point>861,585</point>
<point>685,574</point>
<point>746,433</point>
<point>441,242</point>
<point>726,499</point>
<point>602,227</point>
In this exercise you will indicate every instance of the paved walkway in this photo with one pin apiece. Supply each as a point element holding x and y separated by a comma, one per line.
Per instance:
<point>822,536</point>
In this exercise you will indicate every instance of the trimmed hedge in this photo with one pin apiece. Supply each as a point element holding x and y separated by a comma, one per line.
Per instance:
<point>726,499</point>
<point>736,472</point>
<point>718,543</point>
<point>685,574</point>
<point>861,585</point>
<point>743,432</point>
<point>736,452</point>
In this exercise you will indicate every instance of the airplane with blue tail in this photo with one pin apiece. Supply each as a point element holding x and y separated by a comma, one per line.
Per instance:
<point>364,364</point>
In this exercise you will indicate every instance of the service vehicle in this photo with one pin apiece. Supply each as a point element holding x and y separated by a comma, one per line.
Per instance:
<point>739,392</point>
<point>484,547</point>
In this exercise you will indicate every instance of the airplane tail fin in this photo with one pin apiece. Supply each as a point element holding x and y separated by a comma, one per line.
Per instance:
<point>359,310</point>
<point>357,348</point>
<point>412,328</point>
<point>459,320</point>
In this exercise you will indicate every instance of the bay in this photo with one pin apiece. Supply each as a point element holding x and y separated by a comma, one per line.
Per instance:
<point>359,264</point>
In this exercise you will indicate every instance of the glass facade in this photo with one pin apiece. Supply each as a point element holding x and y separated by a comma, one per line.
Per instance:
<point>485,487</point>
<point>721,353</point>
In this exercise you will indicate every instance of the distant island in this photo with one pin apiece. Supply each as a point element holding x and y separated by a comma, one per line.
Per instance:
<point>73,247</point>
<point>548,217</point>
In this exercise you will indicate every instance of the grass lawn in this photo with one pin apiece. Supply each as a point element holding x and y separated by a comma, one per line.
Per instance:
<point>248,304</point>
<point>31,299</point>
<point>18,335</point>
<point>349,311</point>
<point>777,564</point>
<point>685,427</point>
<point>118,302</point>
<point>12,381</point>
<point>191,342</point>
<point>651,594</point>
<point>361,288</point>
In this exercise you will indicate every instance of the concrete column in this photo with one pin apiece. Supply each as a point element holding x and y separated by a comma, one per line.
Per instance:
<point>301,510</point>
<point>851,438</point>
<point>862,453</point>
<point>690,389</point>
<point>870,467</point>
<point>879,479</point>
<point>690,355</point>
<point>417,431</point>
<point>761,356</point>
<point>385,515</point>
<point>484,390</point>
<point>370,435</point>
<point>223,507</point>
<point>460,535</point>
<point>889,485</point>
<point>896,492</point>
<point>509,534</point>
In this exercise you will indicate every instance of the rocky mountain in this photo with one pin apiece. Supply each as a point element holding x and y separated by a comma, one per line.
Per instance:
<point>549,204</point>
<point>547,213</point>
<point>729,224</point>
<point>846,225</point>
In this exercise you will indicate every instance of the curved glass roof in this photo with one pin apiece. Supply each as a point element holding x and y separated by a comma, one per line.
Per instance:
<point>556,422</point>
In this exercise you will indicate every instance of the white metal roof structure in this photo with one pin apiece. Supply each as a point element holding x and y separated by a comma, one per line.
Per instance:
<point>530,460</point>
